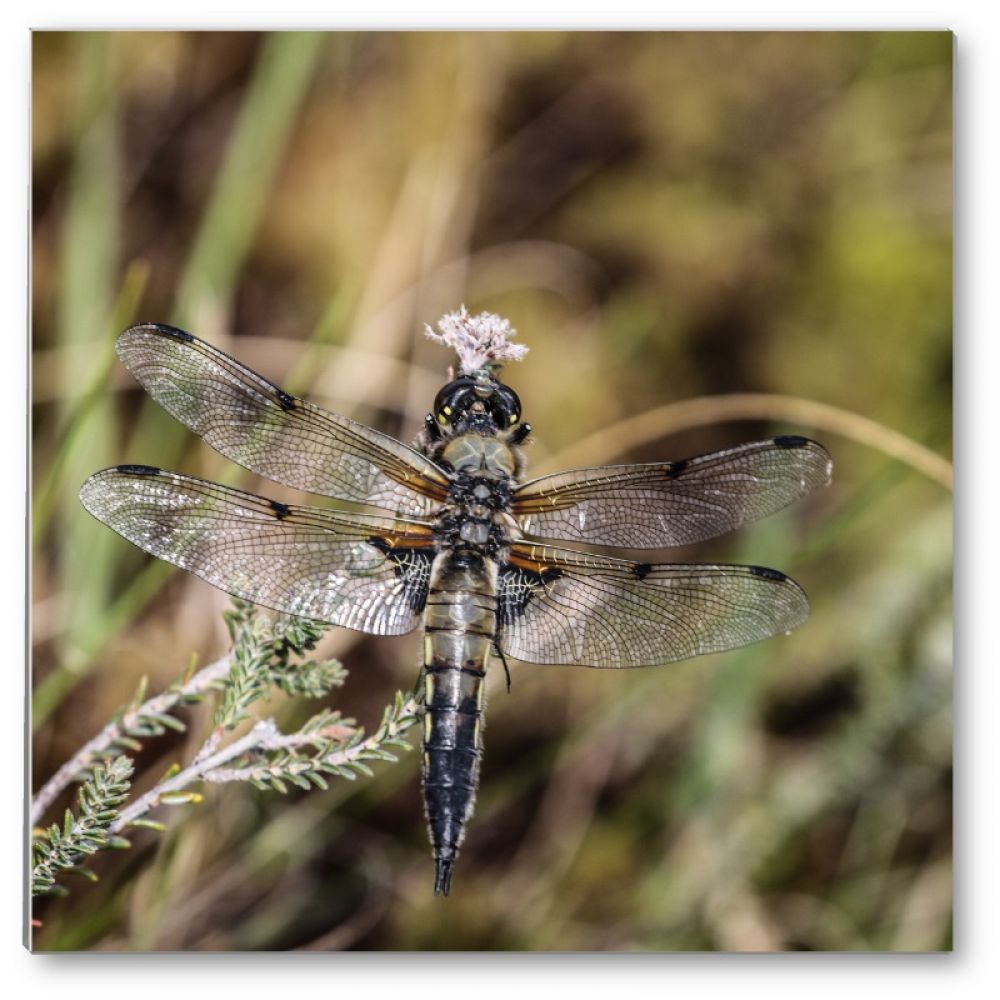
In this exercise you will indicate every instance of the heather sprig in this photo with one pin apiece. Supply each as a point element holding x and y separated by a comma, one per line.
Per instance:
<point>266,655</point>
<point>63,848</point>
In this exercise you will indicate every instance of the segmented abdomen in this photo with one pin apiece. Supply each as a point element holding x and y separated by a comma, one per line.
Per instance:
<point>460,622</point>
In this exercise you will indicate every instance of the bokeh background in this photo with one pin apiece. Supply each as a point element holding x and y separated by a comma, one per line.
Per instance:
<point>664,217</point>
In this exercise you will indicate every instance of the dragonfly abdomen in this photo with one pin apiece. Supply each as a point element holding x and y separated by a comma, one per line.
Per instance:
<point>460,622</point>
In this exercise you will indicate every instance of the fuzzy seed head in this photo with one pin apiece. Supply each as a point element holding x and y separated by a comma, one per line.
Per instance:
<point>482,341</point>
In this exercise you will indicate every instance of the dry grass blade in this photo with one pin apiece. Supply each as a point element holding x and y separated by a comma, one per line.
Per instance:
<point>704,411</point>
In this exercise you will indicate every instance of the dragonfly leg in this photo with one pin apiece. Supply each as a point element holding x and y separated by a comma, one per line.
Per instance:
<point>432,429</point>
<point>503,660</point>
<point>518,436</point>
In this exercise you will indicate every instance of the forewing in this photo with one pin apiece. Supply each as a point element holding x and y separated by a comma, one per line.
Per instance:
<point>262,427</point>
<point>559,606</point>
<point>672,503</point>
<point>364,572</point>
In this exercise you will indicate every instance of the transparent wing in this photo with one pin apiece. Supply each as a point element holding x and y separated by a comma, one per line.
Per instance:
<point>672,503</point>
<point>364,572</point>
<point>265,429</point>
<point>559,606</point>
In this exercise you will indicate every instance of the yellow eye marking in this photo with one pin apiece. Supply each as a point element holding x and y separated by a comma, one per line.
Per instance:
<point>446,409</point>
<point>442,419</point>
<point>513,418</point>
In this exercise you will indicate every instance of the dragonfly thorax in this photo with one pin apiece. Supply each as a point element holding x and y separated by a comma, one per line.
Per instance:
<point>478,455</point>
<point>476,516</point>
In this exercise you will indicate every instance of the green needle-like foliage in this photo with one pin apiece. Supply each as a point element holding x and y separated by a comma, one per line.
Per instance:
<point>338,748</point>
<point>262,652</point>
<point>266,654</point>
<point>61,849</point>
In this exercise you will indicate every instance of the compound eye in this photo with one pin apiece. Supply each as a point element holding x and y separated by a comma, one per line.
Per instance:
<point>451,400</point>
<point>508,409</point>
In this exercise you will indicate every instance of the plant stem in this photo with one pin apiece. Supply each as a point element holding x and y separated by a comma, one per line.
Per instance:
<point>263,736</point>
<point>253,739</point>
<point>274,740</point>
<point>114,730</point>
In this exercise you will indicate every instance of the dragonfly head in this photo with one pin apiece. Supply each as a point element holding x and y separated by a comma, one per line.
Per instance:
<point>477,402</point>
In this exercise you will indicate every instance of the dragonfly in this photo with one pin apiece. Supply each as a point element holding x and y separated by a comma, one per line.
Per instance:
<point>453,539</point>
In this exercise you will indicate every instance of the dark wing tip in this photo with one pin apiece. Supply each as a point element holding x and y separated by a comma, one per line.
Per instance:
<point>796,441</point>
<point>96,487</point>
<point>135,334</point>
<point>791,441</point>
<point>768,574</point>
<point>795,600</point>
<point>138,470</point>
<point>160,330</point>
<point>792,606</point>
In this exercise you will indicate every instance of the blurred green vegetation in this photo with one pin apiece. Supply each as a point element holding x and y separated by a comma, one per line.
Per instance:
<point>662,216</point>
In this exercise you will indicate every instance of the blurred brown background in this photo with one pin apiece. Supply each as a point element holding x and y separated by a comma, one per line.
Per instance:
<point>661,216</point>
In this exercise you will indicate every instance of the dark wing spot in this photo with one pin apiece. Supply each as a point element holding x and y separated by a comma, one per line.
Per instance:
<point>641,570</point>
<point>767,574</point>
<point>138,470</point>
<point>173,332</point>
<point>285,400</point>
<point>377,542</point>
<point>281,509</point>
<point>791,441</point>
<point>675,469</point>
<point>516,588</point>
<point>411,565</point>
